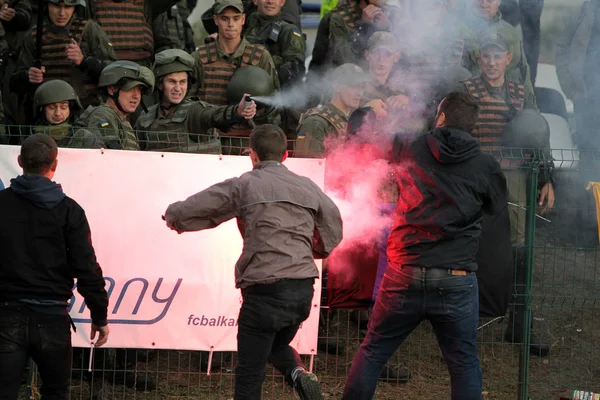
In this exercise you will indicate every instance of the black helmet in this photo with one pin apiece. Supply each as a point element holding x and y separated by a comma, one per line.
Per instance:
<point>528,129</point>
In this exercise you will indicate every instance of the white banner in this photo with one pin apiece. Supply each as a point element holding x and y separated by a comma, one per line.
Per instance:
<point>166,291</point>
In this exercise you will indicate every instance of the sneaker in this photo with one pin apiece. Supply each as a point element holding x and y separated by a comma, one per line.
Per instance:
<point>307,386</point>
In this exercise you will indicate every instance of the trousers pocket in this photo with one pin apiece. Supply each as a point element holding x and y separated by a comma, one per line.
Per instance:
<point>11,336</point>
<point>457,301</point>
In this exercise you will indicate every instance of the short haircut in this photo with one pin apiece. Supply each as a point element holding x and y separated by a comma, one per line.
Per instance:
<point>38,153</point>
<point>269,142</point>
<point>461,111</point>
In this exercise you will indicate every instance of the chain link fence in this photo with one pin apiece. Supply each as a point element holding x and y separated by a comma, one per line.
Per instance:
<point>559,294</point>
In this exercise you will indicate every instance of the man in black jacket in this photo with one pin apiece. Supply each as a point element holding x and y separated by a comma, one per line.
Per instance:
<point>446,184</point>
<point>45,243</point>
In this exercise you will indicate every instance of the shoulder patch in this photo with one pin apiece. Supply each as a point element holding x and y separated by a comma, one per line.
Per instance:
<point>301,135</point>
<point>296,32</point>
<point>109,43</point>
<point>103,124</point>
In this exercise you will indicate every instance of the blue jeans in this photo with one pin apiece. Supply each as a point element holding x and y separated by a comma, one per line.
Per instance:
<point>407,296</point>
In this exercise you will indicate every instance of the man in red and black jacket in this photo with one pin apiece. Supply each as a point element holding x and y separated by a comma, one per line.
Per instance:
<point>445,185</point>
<point>45,243</point>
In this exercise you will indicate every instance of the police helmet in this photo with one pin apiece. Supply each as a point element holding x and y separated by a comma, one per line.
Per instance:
<point>126,75</point>
<point>55,91</point>
<point>528,129</point>
<point>252,80</point>
<point>172,60</point>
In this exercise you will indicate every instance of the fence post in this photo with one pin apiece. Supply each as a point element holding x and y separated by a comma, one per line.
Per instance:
<point>529,251</point>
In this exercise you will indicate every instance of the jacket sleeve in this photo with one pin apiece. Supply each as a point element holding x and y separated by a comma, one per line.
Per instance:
<point>496,196</point>
<point>205,116</point>
<point>97,50</point>
<point>20,77</point>
<point>311,137</point>
<point>571,84</point>
<point>84,267</point>
<point>22,19</point>
<point>266,63</point>
<point>340,47</point>
<point>198,74</point>
<point>328,227</point>
<point>206,209</point>
<point>291,68</point>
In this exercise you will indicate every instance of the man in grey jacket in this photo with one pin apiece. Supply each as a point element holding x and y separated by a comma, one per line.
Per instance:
<point>286,222</point>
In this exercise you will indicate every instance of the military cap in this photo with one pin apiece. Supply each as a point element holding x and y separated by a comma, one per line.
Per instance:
<point>495,39</point>
<point>68,2</point>
<point>382,40</point>
<point>220,5</point>
<point>349,75</point>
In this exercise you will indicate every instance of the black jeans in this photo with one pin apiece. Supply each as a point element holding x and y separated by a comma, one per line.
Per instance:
<point>269,319</point>
<point>46,338</point>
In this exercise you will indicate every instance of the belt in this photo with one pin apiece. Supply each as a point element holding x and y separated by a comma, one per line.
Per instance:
<point>444,271</point>
<point>278,286</point>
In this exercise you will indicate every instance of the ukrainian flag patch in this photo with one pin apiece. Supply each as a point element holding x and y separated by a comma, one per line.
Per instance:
<point>301,135</point>
<point>109,43</point>
<point>296,33</point>
<point>103,124</point>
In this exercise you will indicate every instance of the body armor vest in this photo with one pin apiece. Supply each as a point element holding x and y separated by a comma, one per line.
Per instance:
<point>54,58</point>
<point>217,73</point>
<point>494,112</point>
<point>125,24</point>
<point>335,118</point>
<point>351,14</point>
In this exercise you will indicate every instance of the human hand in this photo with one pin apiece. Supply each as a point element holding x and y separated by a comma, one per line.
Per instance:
<point>378,106</point>
<point>546,196</point>
<point>36,75</point>
<point>74,52</point>
<point>7,14</point>
<point>397,101</point>
<point>102,331</point>
<point>247,110</point>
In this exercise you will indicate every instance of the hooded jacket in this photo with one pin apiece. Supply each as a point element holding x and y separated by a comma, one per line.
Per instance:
<point>45,243</point>
<point>446,183</point>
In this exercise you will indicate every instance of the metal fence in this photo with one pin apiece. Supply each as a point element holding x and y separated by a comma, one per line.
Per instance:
<point>560,291</point>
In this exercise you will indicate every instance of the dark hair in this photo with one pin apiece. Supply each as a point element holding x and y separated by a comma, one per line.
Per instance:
<point>38,153</point>
<point>269,142</point>
<point>461,111</point>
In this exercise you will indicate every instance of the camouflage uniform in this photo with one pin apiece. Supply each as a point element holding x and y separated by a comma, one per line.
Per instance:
<point>185,128</point>
<point>106,123</point>
<point>478,28</point>
<point>342,36</point>
<point>95,46</point>
<point>285,43</point>
<point>213,68</point>
<point>316,125</point>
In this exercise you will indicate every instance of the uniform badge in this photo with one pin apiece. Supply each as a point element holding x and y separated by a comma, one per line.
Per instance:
<point>296,33</point>
<point>103,124</point>
<point>301,135</point>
